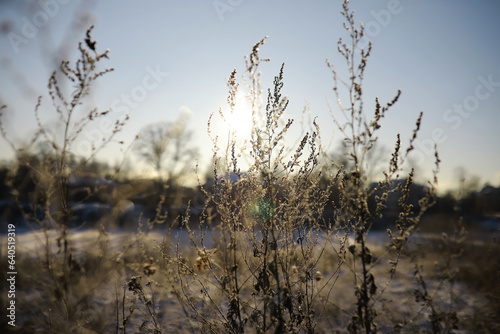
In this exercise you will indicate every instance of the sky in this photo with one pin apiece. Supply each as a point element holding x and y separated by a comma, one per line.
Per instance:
<point>442,55</point>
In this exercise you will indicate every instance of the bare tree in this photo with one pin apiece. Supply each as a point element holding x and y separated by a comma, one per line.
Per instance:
<point>375,160</point>
<point>165,146</point>
<point>152,144</point>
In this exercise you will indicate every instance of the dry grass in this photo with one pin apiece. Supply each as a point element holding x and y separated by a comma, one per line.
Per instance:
<point>265,255</point>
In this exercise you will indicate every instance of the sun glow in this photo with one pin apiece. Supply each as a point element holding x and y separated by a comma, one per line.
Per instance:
<point>239,120</point>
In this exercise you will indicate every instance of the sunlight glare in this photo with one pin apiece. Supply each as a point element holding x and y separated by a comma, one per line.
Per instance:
<point>240,120</point>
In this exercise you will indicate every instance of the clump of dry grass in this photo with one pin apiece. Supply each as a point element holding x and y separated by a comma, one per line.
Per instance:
<point>268,222</point>
<point>273,234</point>
<point>68,280</point>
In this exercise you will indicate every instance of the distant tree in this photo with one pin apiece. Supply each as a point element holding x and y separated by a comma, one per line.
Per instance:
<point>165,146</point>
<point>96,168</point>
<point>25,178</point>
<point>4,182</point>
<point>374,162</point>
<point>152,144</point>
<point>466,184</point>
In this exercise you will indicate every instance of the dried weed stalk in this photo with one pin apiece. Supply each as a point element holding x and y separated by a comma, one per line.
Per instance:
<point>66,273</point>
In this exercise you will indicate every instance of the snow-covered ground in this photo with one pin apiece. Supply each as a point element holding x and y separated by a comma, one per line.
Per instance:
<point>395,298</point>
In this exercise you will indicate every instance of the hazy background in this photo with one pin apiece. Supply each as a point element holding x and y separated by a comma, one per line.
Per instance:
<point>443,55</point>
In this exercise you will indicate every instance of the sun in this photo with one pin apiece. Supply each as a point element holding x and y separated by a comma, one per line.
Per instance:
<point>239,120</point>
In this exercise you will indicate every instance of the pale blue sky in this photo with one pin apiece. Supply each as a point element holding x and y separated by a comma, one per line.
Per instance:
<point>441,54</point>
